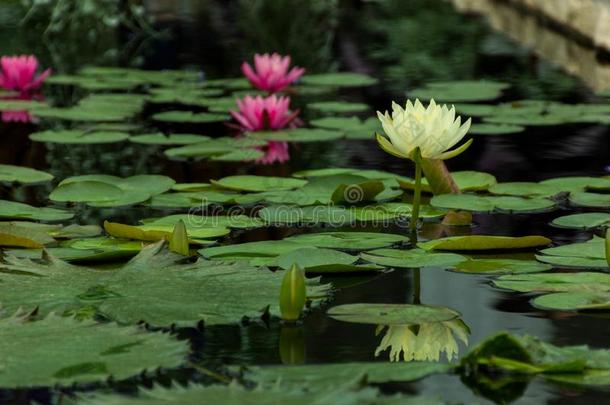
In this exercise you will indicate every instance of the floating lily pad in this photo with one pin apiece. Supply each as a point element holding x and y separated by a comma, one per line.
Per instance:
<point>258,183</point>
<point>318,376</point>
<point>583,221</point>
<point>500,266</point>
<point>330,107</point>
<point>84,191</point>
<point>591,200</point>
<point>484,242</point>
<point>574,301</point>
<point>529,355</point>
<point>298,135</point>
<point>23,175</point>
<point>240,155</point>
<point>479,203</point>
<point>352,127</point>
<point>195,221</point>
<point>316,260</point>
<point>413,258</point>
<point>556,282</point>
<point>63,351</point>
<point>190,117</point>
<point>525,189</point>
<point>267,248</point>
<point>21,235</point>
<point>173,139</point>
<point>589,254</point>
<point>78,137</point>
<point>495,129</point>
<point>465,90</point>
<point>341,79</point>
<point>154,287</point>
<point>579,183</point>
<point>291,214</point>
<point>466,181</point>
<point>15,210</point>
<point>279,393</point>
<point>391,314</point>
<point>214,147</point>
<point>348,240</point>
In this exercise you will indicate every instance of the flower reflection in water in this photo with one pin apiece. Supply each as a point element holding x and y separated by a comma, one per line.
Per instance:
<point>423,342</point>
<point>274,152</point>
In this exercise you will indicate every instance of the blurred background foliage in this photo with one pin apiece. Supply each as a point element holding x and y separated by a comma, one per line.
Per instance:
<point>404,42</point>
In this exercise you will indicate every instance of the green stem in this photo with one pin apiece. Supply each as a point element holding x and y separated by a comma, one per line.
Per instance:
<point>417,195</point>
<point>417,286</point>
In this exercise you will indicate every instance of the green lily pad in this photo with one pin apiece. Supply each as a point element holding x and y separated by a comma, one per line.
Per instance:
<point>348,240</point>
<point>292,214</point>
<point>466,181</point>
<point>281,393</point>
<point>352,127</point>
<point>318,376</point>
<point>579,183</point>
<point>193,220</point>
<point>330,107</point>
<point>190,117</point>
<point>298,135</point>
<point>590,200</point>
<point>23,175</point>
<point>589,254</point>
<point>583,221</point>
<point>173,139</point>
<point>15,210</point>
<point>78,137</point>
<point>465,90</point>
<point>266,248</point>
<point>63,351</point>
<point>191,292</point>
<point>84,191</point>
<point>495,129</point>
<point>391,314</point>
<point>413,258</point>
<point>574,301</point>
<point>214,147</point>
<point>341,79</point>
<point>530,355</point>
<point>484,242</point>
<point>479,203</point>
<point>316,260</point>
<point>258,183</point>
<point>500,266</point>
<point>524,189</point>
<point>555,282</point>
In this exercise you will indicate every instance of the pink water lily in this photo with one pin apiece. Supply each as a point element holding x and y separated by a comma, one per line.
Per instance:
<point>275,151</point>
<point>271,73</point>
<point>18,73</point>
<point>260,114</point>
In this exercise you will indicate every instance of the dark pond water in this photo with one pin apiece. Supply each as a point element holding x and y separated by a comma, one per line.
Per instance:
<point>404,44</point>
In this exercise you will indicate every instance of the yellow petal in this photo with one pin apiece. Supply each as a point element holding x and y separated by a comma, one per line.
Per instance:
<point>388,147</point>
<point>454,152</point>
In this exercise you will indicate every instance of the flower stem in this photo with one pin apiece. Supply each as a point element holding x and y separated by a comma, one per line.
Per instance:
<point>417,195</point>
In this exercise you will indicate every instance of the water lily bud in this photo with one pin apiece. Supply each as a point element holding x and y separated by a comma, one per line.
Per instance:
<point>292,294</point>
<point>179,241</point>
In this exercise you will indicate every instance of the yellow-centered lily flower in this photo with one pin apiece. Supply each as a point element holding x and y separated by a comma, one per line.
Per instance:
<point>434,130</point>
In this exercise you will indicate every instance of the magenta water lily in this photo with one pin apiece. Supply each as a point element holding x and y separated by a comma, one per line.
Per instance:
<point>264,113</point>
<point>271,72</point>
<point>18,73</point>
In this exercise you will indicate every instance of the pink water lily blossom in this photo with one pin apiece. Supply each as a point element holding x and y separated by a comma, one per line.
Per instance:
<point>271,72</point>
<point>18,73</point>
<point>275,151</point>
<point>260,114</point>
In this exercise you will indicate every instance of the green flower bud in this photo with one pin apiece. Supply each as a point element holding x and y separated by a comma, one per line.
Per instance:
<point>292,294</point>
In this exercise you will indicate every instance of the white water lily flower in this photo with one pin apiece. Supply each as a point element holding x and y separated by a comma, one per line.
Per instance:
<point>425,342</point>
<point>434,130</point>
